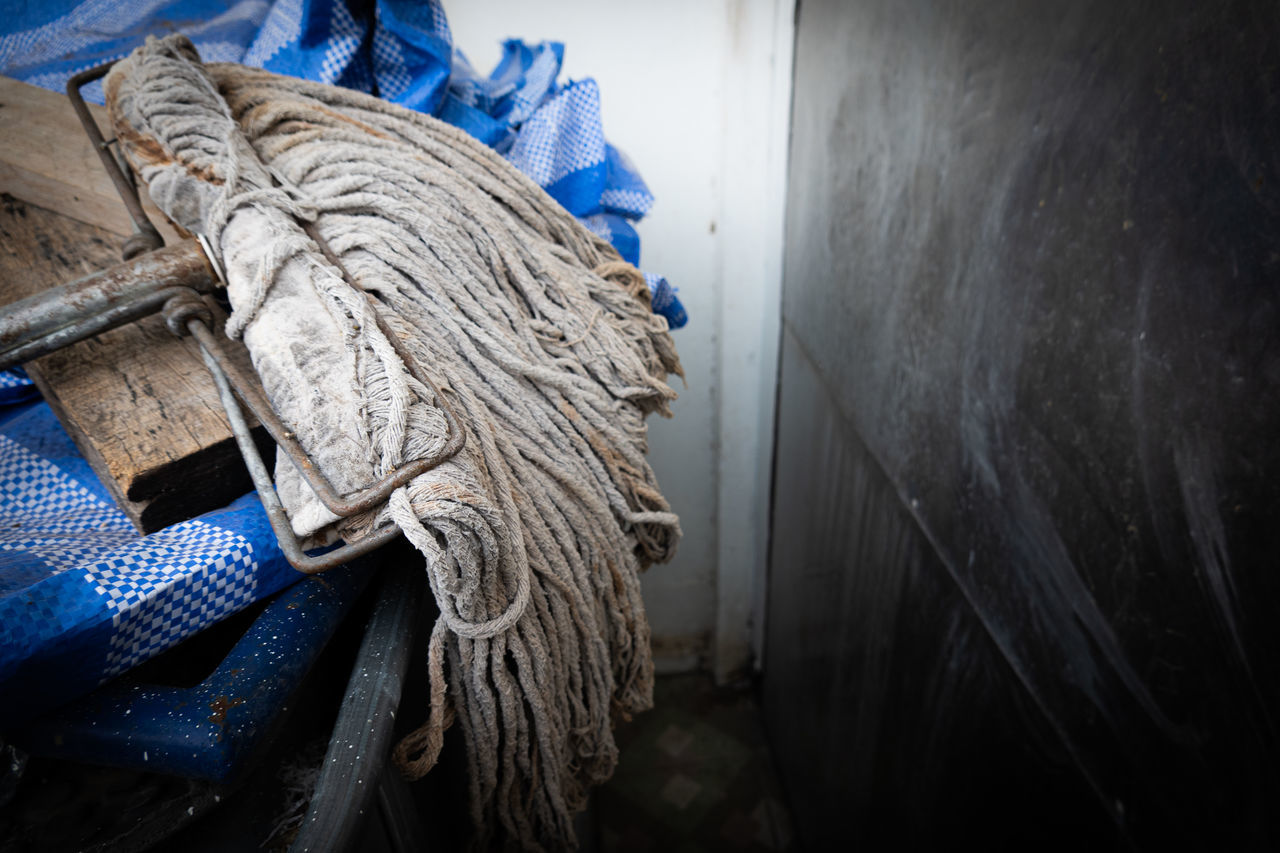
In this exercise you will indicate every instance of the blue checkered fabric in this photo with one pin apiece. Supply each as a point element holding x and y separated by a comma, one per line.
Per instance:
<point>400,49</point>
<point>665,301</point>
<point>83,596</point>
<point>15,386</point>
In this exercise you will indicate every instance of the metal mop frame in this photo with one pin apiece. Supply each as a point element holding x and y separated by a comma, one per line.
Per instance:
<point>173,281</point>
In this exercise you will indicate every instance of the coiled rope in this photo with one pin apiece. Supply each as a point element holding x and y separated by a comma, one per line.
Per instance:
<point>539,335</point>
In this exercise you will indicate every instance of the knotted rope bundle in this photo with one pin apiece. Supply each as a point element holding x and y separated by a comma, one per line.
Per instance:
<point>541,340</point>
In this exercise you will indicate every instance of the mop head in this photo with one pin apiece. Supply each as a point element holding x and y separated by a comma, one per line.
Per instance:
<point>536,334</point>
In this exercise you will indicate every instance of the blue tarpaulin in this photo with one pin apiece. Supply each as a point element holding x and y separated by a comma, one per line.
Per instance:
<point>83,596</point>
<point>401,50</point>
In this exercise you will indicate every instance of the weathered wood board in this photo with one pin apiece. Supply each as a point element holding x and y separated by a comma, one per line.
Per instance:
<point>46,159</point>
<point>137,401</point>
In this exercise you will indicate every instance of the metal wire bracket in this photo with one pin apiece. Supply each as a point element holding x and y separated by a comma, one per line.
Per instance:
<point>186,312</point>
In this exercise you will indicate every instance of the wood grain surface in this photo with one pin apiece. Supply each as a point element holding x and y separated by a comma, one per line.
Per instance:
<point>46,159</point>
<point>137,401</point>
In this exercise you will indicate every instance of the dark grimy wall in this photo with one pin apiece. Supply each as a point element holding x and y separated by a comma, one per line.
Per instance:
<point>1025,575</point>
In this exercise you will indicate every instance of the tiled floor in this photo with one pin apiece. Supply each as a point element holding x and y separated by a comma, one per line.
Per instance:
<point>695,775</point>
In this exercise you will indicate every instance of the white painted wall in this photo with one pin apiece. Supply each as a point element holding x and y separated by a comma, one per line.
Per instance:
<point>697,93</point>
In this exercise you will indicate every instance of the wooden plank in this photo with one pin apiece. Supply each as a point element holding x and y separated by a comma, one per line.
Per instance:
<point>46,159</point>
<point>137,401</point>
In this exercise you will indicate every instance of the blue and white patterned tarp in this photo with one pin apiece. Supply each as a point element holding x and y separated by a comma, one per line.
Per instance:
<point>15,387</point>
<point>83,596</point>
<point>401,50</point>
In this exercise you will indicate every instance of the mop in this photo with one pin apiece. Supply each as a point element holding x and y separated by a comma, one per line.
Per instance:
<point>340,220</point>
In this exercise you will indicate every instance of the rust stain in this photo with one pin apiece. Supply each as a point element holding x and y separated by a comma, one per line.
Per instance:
<point>220,706</point>
<point>141,148</point>
<point>568,411</point>
<point>340,117</point>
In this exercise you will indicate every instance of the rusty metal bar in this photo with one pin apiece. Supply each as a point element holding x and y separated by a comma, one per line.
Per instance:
<point>147,238</point>
<point>63,315</point>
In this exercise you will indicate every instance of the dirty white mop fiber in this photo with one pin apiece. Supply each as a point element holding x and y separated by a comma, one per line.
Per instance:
<point>543,343</point>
